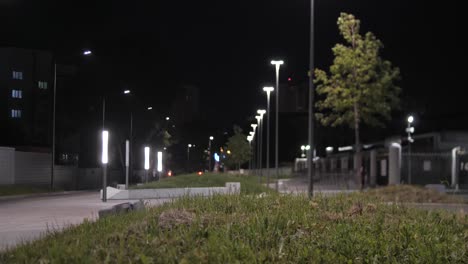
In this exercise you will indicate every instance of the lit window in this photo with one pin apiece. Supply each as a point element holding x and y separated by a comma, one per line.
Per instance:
<point>15,113</point>
<point>16,93</point>
<point>17,75</point>
<point>42,85</point>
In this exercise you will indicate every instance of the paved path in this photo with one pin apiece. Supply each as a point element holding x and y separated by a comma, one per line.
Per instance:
<point>27,219</point>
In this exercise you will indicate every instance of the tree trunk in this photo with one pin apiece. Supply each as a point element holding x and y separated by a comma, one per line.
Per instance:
<point>358,157</point>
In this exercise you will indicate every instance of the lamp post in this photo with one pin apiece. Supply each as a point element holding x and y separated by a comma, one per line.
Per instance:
<point>277,68</point>
<point>104,160</point>
<point>311,101</point>
<point>409,130</point>
<point>209,153</point>
<point>254,127</point>
<point>250,138</point>
<point>188,155</point>
<point>268,90</point>
<point>259,153</point>
<point>52,165</point>
<point>127,162</point>
<point>261,112</point>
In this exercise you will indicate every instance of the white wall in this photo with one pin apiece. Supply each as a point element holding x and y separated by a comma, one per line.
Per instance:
<point>32,168</point>
<point>7,165</point>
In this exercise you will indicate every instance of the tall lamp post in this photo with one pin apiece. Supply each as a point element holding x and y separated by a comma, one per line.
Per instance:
<point>277,68</point>
<point>268,90</point>
<point>104,160</point>
<point>310,157</point>
<point>250,138</point>
<point>52,169</point>
<point>255,151</point>
<point>409,130</point>
<point>209,153</point>
<point>188,155</point>
<point>259,152</point>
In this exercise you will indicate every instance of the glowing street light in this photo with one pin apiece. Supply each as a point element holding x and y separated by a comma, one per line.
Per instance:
<point>168,118</point>
<point>277,64</point>
<point>87,52</point>
<point>303,151</point>
<point>126,92</point>
<point>147,161</point>
<point>159,166</point>
<point>149,108</point>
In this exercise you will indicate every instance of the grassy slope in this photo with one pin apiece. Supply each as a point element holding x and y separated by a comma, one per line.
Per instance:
<point>21,189</point>
<point>252,229</point>
<point>249,184</point>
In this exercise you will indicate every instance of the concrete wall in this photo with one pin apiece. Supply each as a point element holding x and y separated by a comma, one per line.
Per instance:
<point>7,165</point>
<point>32,168</point>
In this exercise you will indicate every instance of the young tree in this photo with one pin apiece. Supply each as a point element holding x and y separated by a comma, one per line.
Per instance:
<point>360,87</point>
<point>239,149</point>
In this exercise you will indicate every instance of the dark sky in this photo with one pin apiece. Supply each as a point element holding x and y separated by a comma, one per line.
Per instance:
<point>224,47</point>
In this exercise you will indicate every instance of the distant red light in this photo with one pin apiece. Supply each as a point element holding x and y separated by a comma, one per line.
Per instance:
<point>169,174</point>
<point>289,79</point>
<point>200,173</point>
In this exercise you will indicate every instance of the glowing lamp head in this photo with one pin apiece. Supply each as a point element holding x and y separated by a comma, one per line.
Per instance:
<point>277,62</point>
<point>87,52</point>
<point>268,89</point>
<point>254,126</point>
<point>127,92</point>
<point>147,158</point>
<point>410,119</point>
<point>303,147</point>
<point>189,145</point>
<point>105,147</point>
<point>261,112</point>
<point>289,79</point>
<point>307,147</point>
<point>211,138</point>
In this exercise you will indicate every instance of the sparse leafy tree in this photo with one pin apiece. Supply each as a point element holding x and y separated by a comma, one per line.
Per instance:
<point>360,87</point>
<point>239,149</point>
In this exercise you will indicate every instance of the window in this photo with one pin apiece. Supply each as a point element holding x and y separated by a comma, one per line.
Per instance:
<point>17,75</point>
<point>15,113</point>
<point>42,85</point>
<point>17,94</point>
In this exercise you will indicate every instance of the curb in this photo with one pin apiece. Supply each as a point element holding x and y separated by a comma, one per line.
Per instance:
<point>122,208</point>
<point>37,195</point>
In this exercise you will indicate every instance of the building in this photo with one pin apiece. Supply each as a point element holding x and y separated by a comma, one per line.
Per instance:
<point>26,83</point>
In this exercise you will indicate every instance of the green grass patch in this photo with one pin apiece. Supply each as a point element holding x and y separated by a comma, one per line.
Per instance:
<point>411,194</point>
<point>249,184</point>
<point>254,229</point>
<point>6,190</point>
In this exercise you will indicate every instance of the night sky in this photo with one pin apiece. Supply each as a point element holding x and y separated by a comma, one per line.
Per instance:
<point>224,47</point>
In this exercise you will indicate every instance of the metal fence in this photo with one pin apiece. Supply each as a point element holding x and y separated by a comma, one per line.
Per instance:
<point>426,168</point>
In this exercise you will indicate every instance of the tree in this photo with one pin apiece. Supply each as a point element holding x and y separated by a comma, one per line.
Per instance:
<point>238,149</point>
<point>360,88</point>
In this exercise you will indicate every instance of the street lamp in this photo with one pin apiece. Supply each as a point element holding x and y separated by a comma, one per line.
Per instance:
<point>255,152</point>
<point>188,154</point>
<point>409,130</point>
<point>52,165</point>
<point>147,161</point>
<point>260,145</point>
<point>277,68</point>
<point>303,151</point>
<point>268,90</point>
<point>310,170</point>
<point>209,153</point>
<point>104,160</point>
<point>250,138</point>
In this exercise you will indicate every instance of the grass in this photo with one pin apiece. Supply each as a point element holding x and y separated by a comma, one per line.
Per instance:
<point>411,194</point>
<point>249,184</point>
<point>259,229</point>
<point>6,190</point>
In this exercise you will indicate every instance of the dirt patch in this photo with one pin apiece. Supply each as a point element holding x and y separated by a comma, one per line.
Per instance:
<point>176,217</point>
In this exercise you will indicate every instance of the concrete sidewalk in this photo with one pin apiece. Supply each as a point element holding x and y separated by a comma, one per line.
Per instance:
<point>26,219</point>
